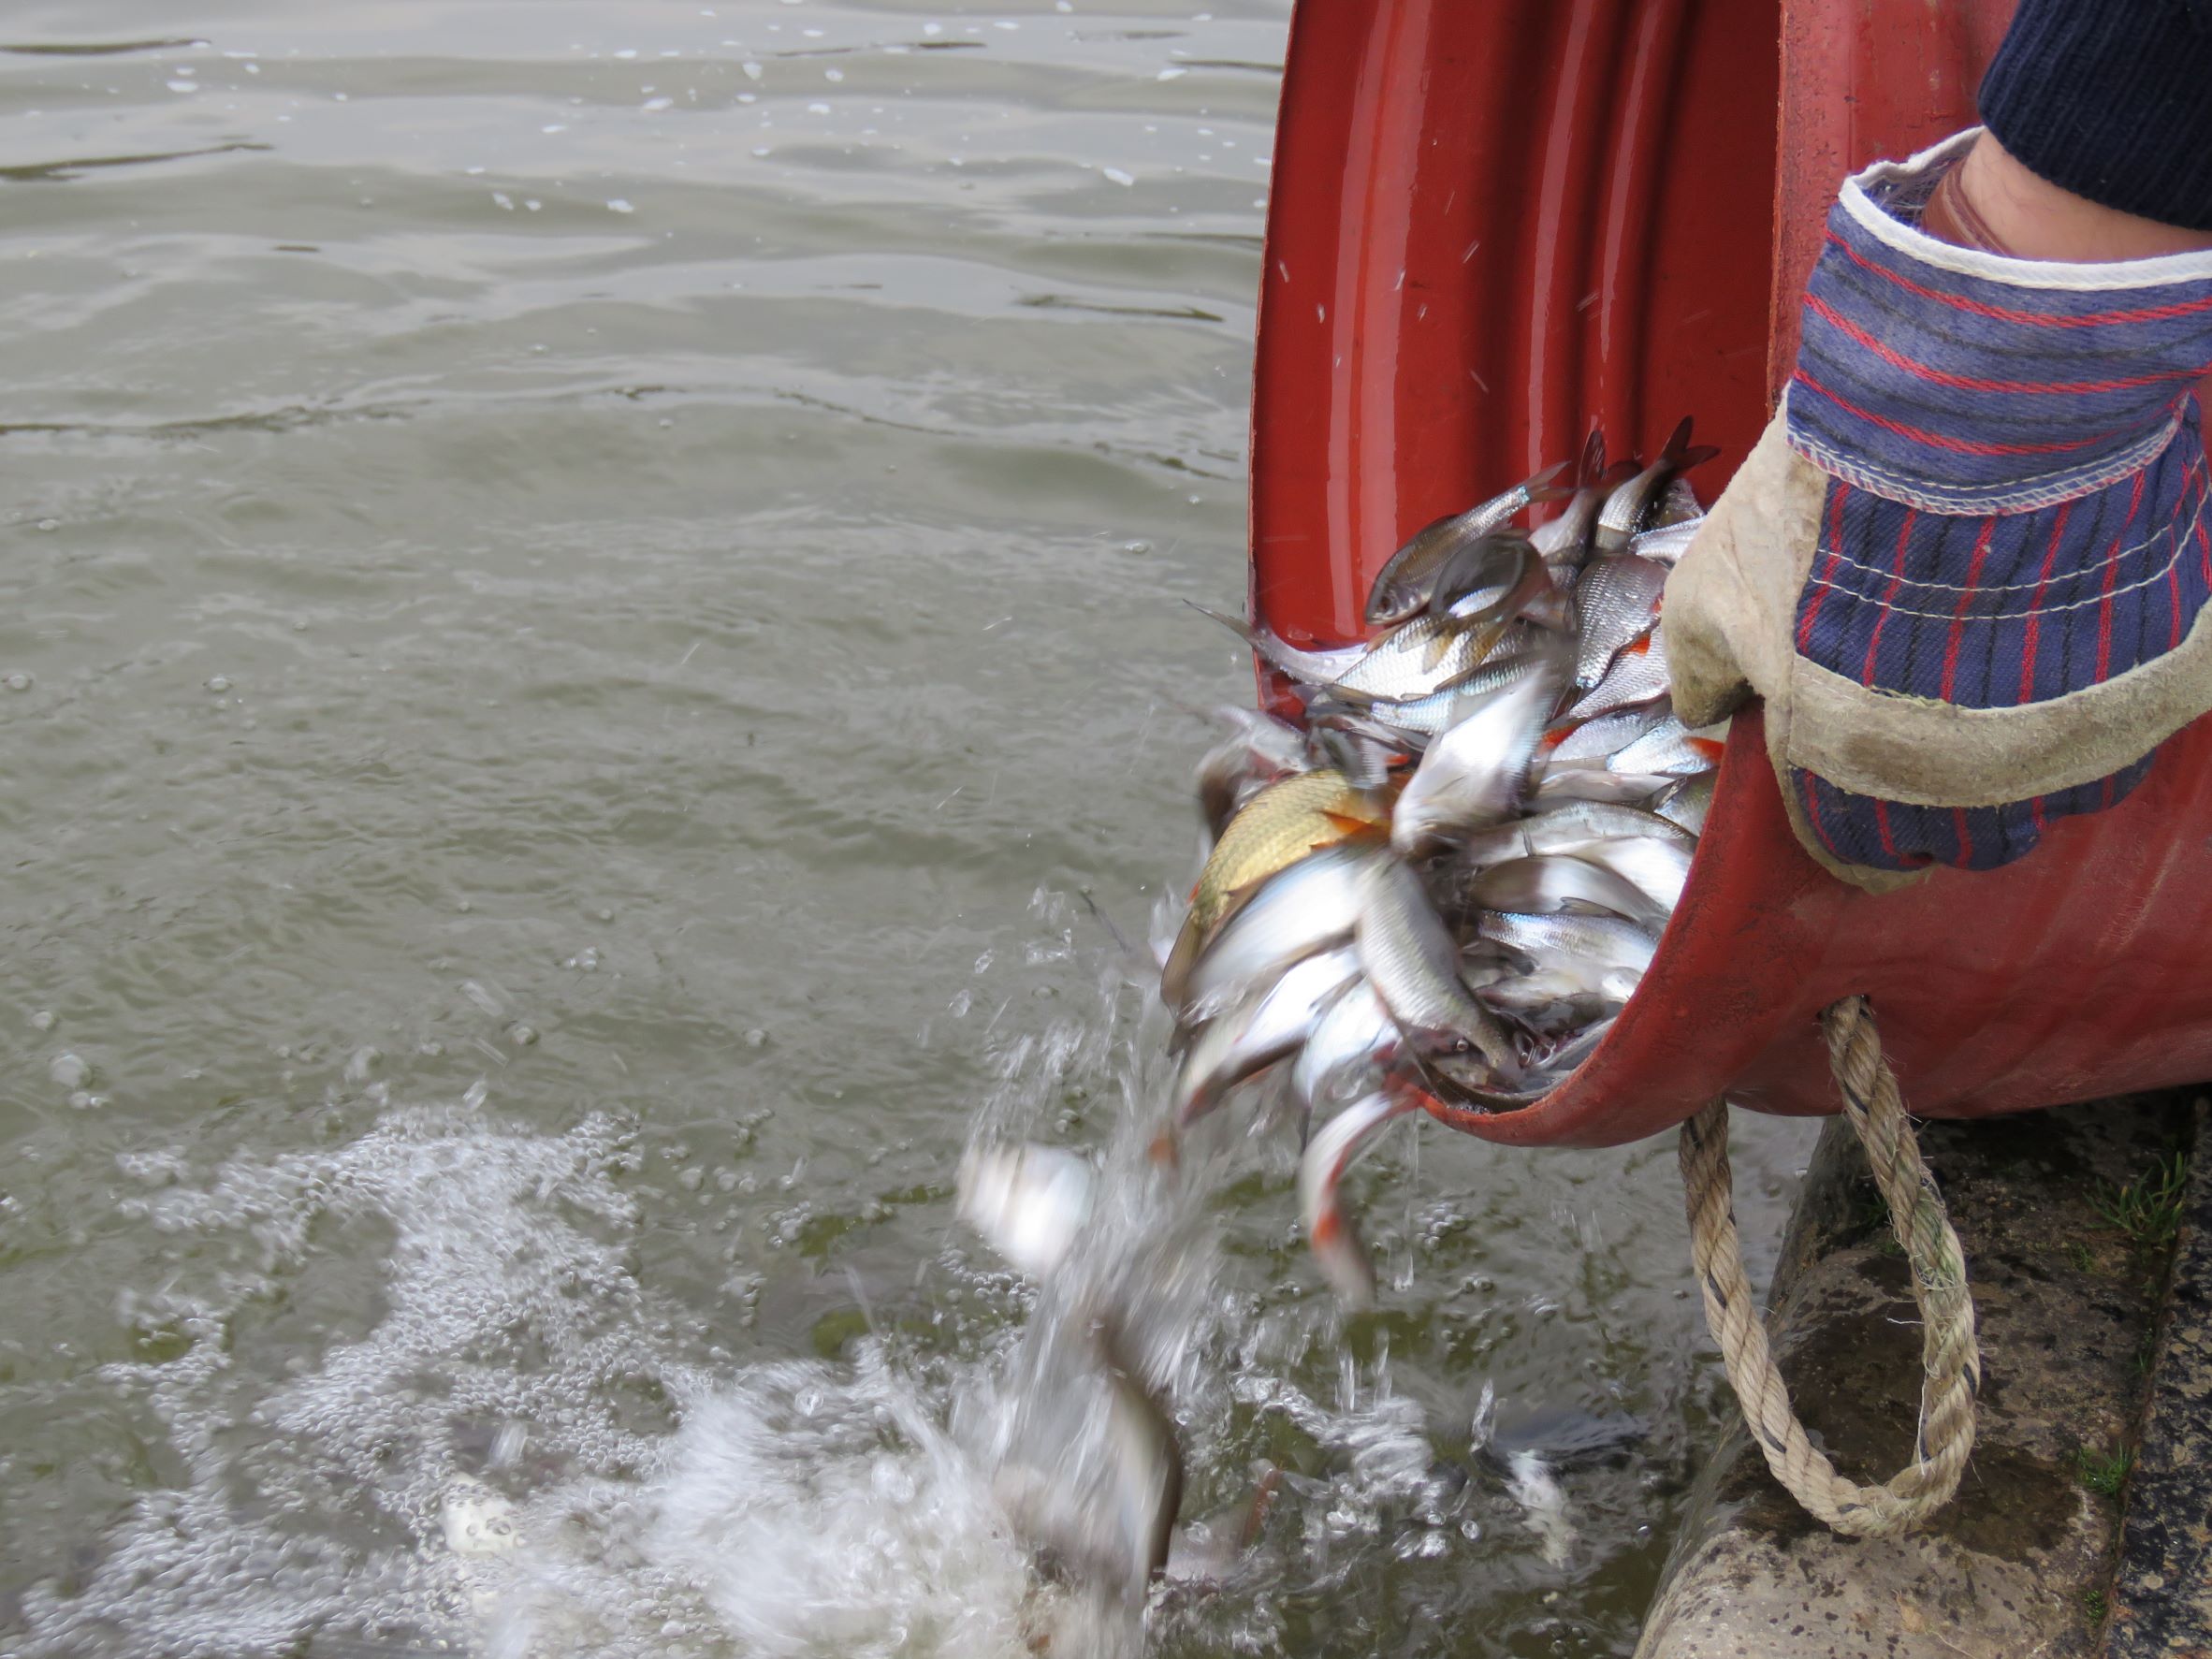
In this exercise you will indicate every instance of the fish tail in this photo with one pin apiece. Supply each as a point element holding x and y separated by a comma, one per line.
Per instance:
<point>1681,455</point>
<point>1591,467</point>
<point>1540,487</point>
<point>1243,629</point>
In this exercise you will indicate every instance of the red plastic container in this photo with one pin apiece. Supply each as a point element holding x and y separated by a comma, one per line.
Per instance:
<point>1494,223</point>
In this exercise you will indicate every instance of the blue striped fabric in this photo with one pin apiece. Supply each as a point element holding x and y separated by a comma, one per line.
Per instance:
<point>2018,504</point>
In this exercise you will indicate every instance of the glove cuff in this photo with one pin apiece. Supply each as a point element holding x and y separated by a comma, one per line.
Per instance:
<point>1961,382</point>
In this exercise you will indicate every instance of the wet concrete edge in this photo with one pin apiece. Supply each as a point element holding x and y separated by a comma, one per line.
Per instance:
<point>2021,1565</point>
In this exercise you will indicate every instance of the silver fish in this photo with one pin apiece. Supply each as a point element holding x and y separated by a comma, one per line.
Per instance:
<point>1667,545</point>
<point>1623,513</point>
<point>1619,596</point>
<point>1546,998</point>
<point>1425,717</point>
<point>1636,680</point>
<point>1678,503</point>
<point>1592,780</point>
<point>1401,587</point>
<point>1313,667</point>
<point>1473,775</point>
<point>1549,884</point>
<point>1329,1230</point>
<point>1030,1202</point>
<point>1237,1044</point>
<point>1349,1049</point>
<point>1656,866</point>
<point>1571,824</point>
<point>1412,961</point>
<point>1565,541</point>
<point>1689,803</point>
<point>1595,742</point>
<point>1673,750</point>
<point>1426,655</point>
<point>1309,907</point>
<point>1587,947</point>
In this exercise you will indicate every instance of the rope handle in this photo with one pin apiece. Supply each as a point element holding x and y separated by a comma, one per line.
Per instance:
<point>1950,1359</point>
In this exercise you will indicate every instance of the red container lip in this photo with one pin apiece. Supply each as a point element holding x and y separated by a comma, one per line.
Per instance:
<point>1495,224</point>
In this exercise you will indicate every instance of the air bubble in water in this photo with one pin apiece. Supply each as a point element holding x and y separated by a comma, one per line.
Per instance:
<point>218,683</point>
<point>72,1072</point>
<point>42,1020</point>
<point>19,682</point>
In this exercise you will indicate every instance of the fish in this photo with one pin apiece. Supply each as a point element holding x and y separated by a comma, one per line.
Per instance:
<point>1597,741</point>
<point>1592,780</point>
<point>1030,1202</point>
<point>1547,997</point>
<point>1148,1458</point>
<point>1473,773</point>
<point>1667,545</point>
<point>1678,503</point>
<point>1673,750</point>
<point>1499,572</point>
<point>1425,655</point>
<point>1280,826</point>
<point>1657,866</point>
<point>1549,883</point>
<point>1314,667</point>
<point>1236,1045</point>
<point>1260,750</point>
<point>1689,803</point>
<point>1623,513</point>
<point>1588,947</point>
<point>1400,586</point>
<point>1563,542</point>
<point>1413,962</point>
<point>1568,825</point>
<point>1424,717</point>
<point>1347,1050</point>
<point>1636,680</point>
<point>1328,1231</point>
<point>1311,906</point>
<point>1619,597</point>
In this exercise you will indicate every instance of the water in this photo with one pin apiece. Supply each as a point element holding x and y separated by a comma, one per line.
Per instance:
<point>580,586</point>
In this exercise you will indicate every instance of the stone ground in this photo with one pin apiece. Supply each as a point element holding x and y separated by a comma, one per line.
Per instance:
<point>2096,1401</point>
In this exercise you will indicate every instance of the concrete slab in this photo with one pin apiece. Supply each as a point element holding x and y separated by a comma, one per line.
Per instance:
<point>2019,1566</point>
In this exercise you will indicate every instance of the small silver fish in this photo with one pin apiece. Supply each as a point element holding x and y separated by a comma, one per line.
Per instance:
<point>1328,1231</point>
<point>1311,667</point>
<point>1689,803</point>
<point>1636,680</point>
<point>1401,587</point>
<point>1623,513</point>
<point>1425,717</point>
<point>1350,1047</point>
<point>1592,780</point>
<point>1549,884</point>
<point>1597,741</point>
<point>1473,774</point>
<point>1619,597</point>
<point>1571,824</point>
<point>1309,907</point>
<point>1412,961</point>
<point>1666,545</point>
<point>1566,542</point>
<point>1673,750</point>
<point>1236,1045</point>
<point>1586,947</point>
<point>1656,866</point>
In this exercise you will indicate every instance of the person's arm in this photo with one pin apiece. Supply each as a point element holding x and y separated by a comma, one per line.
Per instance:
<point>2110,102</point>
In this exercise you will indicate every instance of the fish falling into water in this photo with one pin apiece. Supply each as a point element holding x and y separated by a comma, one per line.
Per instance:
<point>1436,892</point>
<point>1463,926</point>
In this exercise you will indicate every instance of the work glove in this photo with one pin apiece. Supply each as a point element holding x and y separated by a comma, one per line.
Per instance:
<point>1964,565</point>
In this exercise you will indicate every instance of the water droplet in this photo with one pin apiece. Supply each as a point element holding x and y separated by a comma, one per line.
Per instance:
<point>756,1038</point>
<point>72,1072</point>
<point>1116,176</point>
<point>42,1020</point>
<point>652,104</point>
<point>753,70</point>
<point>522,1035</point>
<point>620,206</point>
<point>50,524</point>
<point>19,682</point>
<point>218,683</point>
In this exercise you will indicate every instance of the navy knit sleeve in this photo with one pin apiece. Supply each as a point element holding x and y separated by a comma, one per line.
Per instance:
<point>2111,99</point>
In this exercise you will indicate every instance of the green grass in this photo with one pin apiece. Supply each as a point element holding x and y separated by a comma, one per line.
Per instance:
<point>2083,1258</point>
<point>2092,1604</point>
<point>2105,1475</point>
<point>2148,1210</point>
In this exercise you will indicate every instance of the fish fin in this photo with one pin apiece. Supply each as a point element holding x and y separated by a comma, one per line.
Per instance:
<point>1711,749</point>
<point>1635,647</point>
<point>1593,464</point>
<point>1352,826</point>
<point>1175,974</point>
<point>1617,475</point>
<point>1243,630</point>
<point>1681,454</point>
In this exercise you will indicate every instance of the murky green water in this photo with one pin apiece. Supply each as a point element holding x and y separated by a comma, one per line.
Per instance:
<point>631,554</point>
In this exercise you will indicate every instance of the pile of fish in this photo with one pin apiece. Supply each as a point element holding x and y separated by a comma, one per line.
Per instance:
<point>1449,879</point>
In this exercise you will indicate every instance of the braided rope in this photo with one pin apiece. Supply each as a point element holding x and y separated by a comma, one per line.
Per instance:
<point>1950,1359</point>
